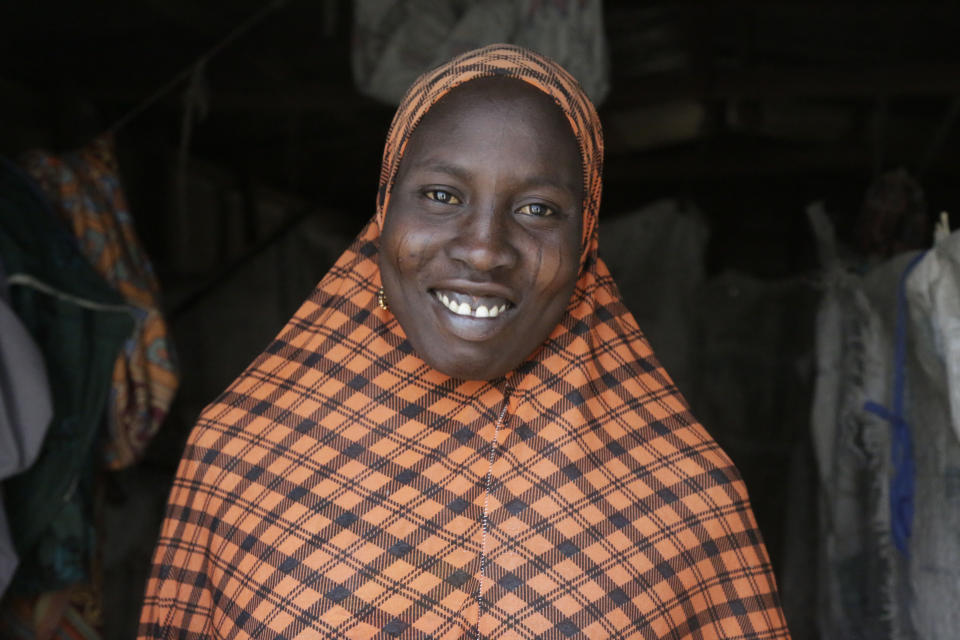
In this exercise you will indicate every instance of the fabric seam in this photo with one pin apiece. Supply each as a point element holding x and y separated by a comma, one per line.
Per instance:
<point>485,520</point>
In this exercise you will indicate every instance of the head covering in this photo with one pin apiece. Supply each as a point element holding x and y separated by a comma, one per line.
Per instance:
<point>511,62</point>
<point>343,488</point>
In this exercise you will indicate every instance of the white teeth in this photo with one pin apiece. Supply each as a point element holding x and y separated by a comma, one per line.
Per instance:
<point>464,309</point>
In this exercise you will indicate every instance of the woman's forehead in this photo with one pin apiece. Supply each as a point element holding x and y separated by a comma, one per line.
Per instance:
<point>498,104</point>
<point>495,92</point>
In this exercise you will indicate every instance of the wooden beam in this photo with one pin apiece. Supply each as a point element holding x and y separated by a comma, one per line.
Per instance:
<point>753,84</point>
<point>333,98</point>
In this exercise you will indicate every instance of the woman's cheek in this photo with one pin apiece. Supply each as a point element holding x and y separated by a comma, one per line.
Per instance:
<point>410,248</point>
<point>552,269</point>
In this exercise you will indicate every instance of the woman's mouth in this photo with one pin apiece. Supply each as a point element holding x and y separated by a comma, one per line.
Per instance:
<point>463,304</point>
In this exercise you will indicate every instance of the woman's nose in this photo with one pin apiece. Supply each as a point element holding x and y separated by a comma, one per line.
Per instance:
<point>483,240</point>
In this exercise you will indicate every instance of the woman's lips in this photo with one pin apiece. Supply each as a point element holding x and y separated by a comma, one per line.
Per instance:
<point>463,304</point>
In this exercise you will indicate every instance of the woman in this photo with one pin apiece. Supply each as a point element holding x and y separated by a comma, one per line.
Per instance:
<point>462,433</point>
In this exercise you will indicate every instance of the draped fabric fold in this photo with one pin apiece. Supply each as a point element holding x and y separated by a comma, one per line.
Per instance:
<point>79,325</point>
<point>26,409</point>
<point>85,189</point>
<point>340,487</point>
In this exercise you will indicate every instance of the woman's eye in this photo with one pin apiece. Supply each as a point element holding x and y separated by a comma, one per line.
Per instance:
<point>442,196</point>
<point>536,209</point>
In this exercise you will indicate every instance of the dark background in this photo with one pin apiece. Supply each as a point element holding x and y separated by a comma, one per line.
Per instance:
<point>745,110</point>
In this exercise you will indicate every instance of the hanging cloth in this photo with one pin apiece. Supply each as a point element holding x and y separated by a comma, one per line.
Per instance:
<point>895,204</point>
<point>901,443</point>
<point>86,192</point>
<point>25,412</point>
<point>935,302</point>
<point>79,324</point>
<point>388,40</point>
<point>933,290</point>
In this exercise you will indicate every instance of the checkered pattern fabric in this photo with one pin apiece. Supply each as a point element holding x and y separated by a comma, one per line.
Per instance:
<point>341,488</point>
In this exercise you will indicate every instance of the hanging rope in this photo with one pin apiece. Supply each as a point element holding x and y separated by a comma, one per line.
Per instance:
<point>195,107</point>
<point>189,70</point>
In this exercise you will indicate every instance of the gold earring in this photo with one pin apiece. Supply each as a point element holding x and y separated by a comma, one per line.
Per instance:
<point>382,299</point>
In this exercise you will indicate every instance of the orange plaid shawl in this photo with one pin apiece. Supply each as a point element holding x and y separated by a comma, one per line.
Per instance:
<point>341,488</point>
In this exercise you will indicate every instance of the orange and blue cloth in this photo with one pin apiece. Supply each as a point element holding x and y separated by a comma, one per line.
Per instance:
<point>85,189</point>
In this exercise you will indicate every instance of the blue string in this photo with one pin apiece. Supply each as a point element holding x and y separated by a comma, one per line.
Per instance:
<point>901,445</point>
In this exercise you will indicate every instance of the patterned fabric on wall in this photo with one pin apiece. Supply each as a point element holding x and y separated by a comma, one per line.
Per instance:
<point>85,189</point>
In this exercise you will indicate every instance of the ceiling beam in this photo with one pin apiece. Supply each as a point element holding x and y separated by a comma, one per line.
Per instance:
<point>333,98</point>
<point>748,84</point>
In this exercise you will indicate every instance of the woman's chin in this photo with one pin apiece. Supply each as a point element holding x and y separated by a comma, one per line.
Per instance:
<point>469,366</point>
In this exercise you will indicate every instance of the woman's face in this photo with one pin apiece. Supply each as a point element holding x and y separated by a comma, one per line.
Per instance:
<point>481,243</point>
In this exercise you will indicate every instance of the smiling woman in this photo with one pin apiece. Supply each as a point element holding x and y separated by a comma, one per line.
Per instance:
<point>493,453</point>
<point>480,249</point>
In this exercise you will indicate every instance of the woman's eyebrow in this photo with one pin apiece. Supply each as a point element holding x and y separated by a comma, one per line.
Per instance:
<point>462,173</point>
<point>444,167</point>
<point>537,181</point>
